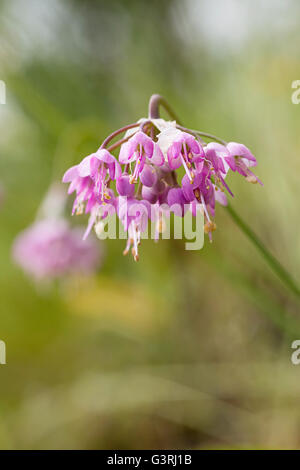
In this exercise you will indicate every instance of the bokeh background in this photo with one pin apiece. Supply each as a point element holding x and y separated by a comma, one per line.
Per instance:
<point>183,349</point>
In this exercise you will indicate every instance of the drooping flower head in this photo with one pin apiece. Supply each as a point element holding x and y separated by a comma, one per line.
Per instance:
<point>142,182</point>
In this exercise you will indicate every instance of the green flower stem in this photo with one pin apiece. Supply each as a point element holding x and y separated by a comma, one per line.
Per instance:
<point>260,298</point>
<point>275,265</point>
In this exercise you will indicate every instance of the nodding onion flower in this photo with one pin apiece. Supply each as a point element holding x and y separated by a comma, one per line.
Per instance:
<point>153,154</point>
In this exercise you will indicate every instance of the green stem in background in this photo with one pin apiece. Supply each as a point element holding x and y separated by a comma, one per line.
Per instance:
<point>275,265</point>
<point>260,298</point>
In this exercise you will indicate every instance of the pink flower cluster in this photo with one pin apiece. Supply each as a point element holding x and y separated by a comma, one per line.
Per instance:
<point>50,249</point>
<point>161,168</point>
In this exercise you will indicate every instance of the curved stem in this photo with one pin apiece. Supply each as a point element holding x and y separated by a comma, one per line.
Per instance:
<point>275,265</point>
<point>122,141</point>
<point>118,143</point>
<point>155,102</point>
<point>119,131</point>
<point>209,136</point>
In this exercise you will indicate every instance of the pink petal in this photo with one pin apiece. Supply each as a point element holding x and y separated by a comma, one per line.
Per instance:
<point>174,156</point>
<point>147,143</point>
<point>84,168</point>
<point>148,176</point>
<point>149,194</point>
<point>70,174</point>
<point>240,150</point>
<point>124,187</point>
<point>104,156</point>
<point>192,143</point>
<point>157,156</point>
<point>127,150</point>
<point>221,197</point>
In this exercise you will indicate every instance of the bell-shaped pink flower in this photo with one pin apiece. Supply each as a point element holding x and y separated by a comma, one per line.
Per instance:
<point>90,178</point>
<point>241,159</point>
<point>100,167</point>
<point>101,160</point>
<point>138,149</point>
<point>217,154</point>
<point>185,150</point>
<point>84,188</point>
<point>240,150</point>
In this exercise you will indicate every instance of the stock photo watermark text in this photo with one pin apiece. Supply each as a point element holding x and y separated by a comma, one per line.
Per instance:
<point>2,352</point>
<point>179,222</point>
<point>2,92</point>
<point>295,356</point>
<point>296,94</point>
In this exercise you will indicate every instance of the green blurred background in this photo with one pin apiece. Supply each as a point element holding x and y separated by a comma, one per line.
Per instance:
<point>183,349</point>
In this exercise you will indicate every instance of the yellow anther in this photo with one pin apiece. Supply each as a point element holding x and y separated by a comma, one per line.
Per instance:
<point>79,209</point>
<point>251,179</point>
<point>209,227</point>
<point>135,255</point>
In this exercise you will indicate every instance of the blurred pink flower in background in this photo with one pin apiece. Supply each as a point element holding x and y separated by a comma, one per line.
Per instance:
<point>50,249</point>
